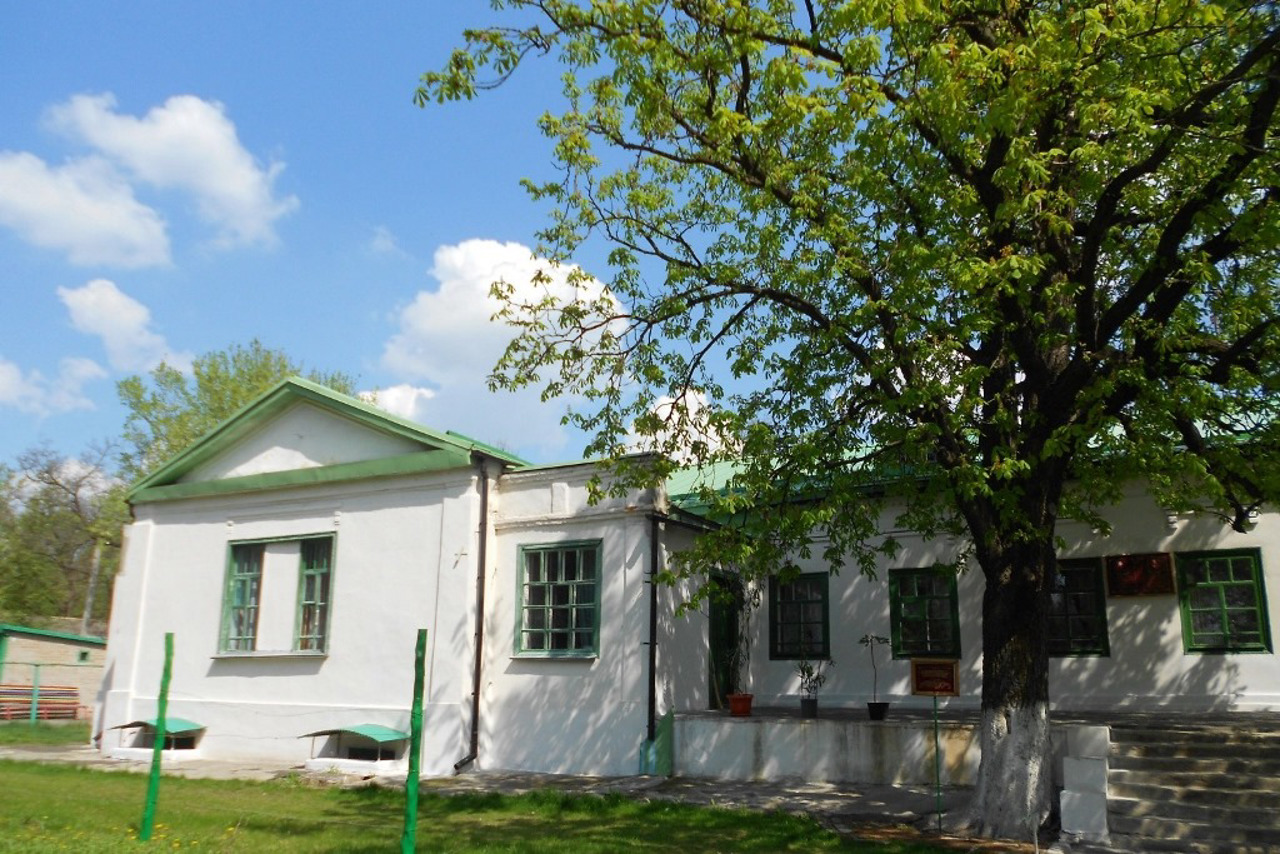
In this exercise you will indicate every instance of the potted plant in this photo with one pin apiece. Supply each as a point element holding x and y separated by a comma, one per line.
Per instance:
<point>812,677</point>
<point>740,657</point>
<point>875,709</point>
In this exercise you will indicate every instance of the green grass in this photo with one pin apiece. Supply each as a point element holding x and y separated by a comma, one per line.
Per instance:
<point>23,732</point>
<point>62,808</point>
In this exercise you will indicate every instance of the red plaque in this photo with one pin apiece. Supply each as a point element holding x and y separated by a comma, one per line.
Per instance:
<point>1140,575</point>
<point>934,677</point>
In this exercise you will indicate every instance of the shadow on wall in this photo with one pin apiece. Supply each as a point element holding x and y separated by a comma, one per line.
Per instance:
<point>1147,666</point>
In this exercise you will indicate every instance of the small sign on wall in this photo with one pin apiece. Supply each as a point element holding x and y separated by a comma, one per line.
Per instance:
<point>934,677</point>
<point>1140,575</point>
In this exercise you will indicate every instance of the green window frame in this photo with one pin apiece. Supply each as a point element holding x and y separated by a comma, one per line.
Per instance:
<point>1223,601</point>
<point>799,617</point>
<point>1078,610</point>
<point>242,601</point>
<point>314,577</point>
<point>559,608</point>
<point>924,613</point>
<point>244,586</point>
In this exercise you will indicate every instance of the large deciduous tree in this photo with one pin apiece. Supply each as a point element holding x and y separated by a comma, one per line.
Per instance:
<point>1021,249</point>
<point>169,410</point>
<point>59,535</point>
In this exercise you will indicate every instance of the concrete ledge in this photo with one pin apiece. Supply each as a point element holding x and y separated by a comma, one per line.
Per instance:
<point>1087,776</point>
<point>765,748</point>
<point>1084,816</point>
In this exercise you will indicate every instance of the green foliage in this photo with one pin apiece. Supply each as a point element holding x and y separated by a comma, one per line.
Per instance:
<point>1023,246</point>
<point>169,411</point>
<point>59,536</point>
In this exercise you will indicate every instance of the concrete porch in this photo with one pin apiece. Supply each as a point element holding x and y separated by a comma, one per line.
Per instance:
<point>843,746</point>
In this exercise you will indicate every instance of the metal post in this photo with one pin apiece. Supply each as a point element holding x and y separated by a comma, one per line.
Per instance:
<point>937,763</point>
<point>408,840</point>
<point>157,750</point>
<point>35,693</point>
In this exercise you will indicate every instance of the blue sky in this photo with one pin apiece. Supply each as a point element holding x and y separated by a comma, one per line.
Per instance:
<point>179,177</point>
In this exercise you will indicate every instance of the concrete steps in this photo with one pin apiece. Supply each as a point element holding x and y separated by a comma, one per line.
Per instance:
<point>1199,790</point>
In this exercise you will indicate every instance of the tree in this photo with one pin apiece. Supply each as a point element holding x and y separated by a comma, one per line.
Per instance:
<point>1019,251</point>
<point>60,535</point>
<point>171,411</point>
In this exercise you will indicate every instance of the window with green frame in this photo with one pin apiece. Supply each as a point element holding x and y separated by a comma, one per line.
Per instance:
<point>559,600</point>
<point>244,585</point>
<point>1223,601</point>
<point>313,594</point>
<point>242,604</point>
<point>1078,609</point>
<point>924,613</point>
<point>799,624</point>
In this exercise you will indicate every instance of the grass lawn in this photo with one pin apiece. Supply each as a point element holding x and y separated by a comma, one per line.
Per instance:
<point>22,732</point>
<point>62,808</point>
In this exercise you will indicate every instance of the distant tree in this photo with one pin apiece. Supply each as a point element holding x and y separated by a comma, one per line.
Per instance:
<point>169,410</point>
<point>1015,250</point>
<point>60,535</point>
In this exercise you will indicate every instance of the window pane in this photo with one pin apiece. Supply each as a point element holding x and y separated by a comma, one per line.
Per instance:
<point>564,594</point>
<point>798,615</point>
<point>1240,596</point>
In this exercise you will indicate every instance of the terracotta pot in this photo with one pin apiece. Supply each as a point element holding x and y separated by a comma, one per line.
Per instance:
<point>808,707</point>
<point>877,710</point>
<point>740,705</point>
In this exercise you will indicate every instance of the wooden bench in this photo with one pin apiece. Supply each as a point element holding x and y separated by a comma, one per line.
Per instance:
<point>56,702</point>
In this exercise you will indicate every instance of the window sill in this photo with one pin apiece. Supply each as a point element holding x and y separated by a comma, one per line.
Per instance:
<point>542,656</point>
<point>260,654</point>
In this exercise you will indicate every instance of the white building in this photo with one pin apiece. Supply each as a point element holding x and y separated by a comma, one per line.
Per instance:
<point>295,552</point>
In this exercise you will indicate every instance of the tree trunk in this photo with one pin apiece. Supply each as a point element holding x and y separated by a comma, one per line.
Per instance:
<point>1013,796</point>
<point>95,567</point>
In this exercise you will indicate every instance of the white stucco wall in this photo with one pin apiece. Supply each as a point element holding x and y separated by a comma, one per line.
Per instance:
<point>304,436</point>
<point>404,558</point>
<point>567,715</point>
<point>1147,665</point>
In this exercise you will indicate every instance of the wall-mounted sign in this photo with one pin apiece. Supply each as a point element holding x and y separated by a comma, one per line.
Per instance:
<point>1140,575</point>
<point>934,677</point>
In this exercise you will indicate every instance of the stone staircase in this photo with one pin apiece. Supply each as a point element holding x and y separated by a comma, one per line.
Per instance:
<point>1209,788</point>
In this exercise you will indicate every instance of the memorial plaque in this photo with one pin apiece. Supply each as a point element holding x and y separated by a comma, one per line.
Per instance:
<point>1140,575</point>
<point>934,677</point>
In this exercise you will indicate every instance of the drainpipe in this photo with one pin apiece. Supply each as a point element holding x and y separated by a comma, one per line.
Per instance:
<point>481,560</point>
<point>654,526</point>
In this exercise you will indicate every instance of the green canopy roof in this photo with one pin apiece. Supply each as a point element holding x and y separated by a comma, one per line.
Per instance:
<point>172,726</point>
<point>377,732</point>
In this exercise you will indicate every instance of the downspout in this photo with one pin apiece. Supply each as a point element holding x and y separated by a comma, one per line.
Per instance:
<point>481,560</point>
<point>654,554</point>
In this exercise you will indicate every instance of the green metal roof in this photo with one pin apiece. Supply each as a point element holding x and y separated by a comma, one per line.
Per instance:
<point>10,629</point>
<point>684,486</point>
<point>172,726</point>
<point>379,733</point>
<point>285,394</point>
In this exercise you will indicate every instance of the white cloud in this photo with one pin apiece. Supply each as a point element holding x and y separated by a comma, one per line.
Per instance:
<point>404,400</point>
<point>124,325</point>
<point>186,144</point>
<point>448,341</point>
<point>84,208</point>
<point>384,242</point>
<point>34,394</point>
<point>686,423</point>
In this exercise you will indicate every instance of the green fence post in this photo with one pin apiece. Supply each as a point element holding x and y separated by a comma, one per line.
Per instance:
<point>408,840</point>
<point>157,750</point>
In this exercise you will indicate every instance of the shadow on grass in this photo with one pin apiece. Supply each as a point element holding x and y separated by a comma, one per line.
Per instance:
<point>556,821</point>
